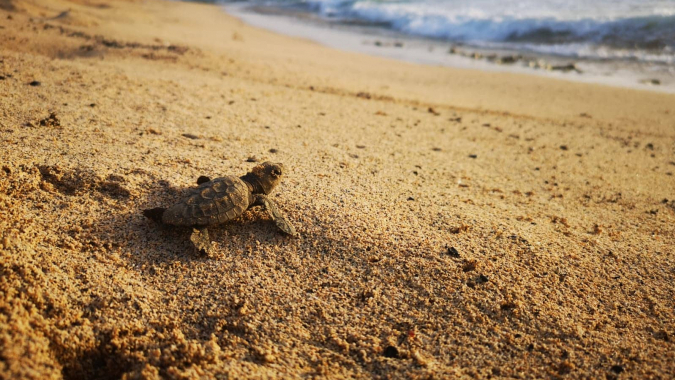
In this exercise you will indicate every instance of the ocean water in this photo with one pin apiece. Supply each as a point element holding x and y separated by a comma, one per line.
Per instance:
<point>639,30</point>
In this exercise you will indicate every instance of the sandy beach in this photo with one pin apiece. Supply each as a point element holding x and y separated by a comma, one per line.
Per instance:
<point>452,223</point>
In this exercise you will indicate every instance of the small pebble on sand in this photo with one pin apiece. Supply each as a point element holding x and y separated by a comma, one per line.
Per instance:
<point>452,252</point>
<point>391,352</point>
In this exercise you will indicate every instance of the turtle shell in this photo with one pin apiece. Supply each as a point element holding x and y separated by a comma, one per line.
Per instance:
<point>213,202</point>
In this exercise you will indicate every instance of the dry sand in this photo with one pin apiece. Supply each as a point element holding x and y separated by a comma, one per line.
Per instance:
<point>452,223</point>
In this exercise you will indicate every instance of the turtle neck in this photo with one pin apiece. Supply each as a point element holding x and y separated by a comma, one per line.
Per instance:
<point>254,182</point>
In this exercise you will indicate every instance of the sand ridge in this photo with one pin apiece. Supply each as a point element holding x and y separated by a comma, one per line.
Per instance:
<point>452,223</point>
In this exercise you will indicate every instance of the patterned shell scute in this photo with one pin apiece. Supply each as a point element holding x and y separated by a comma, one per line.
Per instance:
<point>213,202</point>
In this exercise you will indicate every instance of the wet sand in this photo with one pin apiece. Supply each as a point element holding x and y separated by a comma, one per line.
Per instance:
<point>452,223</point>
<point>378,41</point>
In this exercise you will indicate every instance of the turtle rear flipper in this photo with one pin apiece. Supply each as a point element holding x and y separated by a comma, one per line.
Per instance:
<point>279,218</point>
<point>154,214</point>
<point>200,238</point>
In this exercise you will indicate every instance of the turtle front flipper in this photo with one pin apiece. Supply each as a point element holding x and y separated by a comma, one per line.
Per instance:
<point>279,218</point>
<point>200,238</point>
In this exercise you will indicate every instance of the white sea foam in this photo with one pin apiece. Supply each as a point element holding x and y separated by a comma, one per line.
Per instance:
<point>634,29</point>
<point>610,66</point>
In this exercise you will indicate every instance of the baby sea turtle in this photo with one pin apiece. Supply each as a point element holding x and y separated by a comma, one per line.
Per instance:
<point>218,200</point>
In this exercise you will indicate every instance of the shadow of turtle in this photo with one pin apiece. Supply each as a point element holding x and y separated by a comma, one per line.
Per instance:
<point>144,242</point>
<point>136,238</point>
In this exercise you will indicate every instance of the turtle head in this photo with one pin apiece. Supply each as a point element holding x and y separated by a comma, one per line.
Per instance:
<point>265,177</point>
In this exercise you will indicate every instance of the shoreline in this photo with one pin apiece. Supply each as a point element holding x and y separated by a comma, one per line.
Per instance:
<point>373,41</point>
<point>452,223</point>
